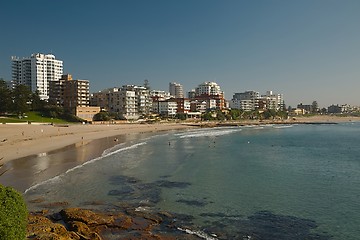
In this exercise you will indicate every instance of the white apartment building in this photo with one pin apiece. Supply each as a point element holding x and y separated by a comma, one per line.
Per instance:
<point>160,94</point>
<point>129,101</point>
<point>198,106</point>
<point>166,108</point>
<point>246,101</point>
<point>143,99</point>
<point>208,88</point>
<point>273,101</point>
<point>36,72</point>
<point>176,90</point>
<point>251,100</point>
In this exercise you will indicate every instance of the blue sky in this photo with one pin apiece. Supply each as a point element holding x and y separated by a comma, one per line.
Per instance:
<point>307,50</point>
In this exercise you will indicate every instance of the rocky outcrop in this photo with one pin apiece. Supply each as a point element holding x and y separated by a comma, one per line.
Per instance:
<point>84,224</point>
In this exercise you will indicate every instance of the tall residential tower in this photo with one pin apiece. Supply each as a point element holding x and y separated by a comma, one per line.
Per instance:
<point>176,90</point>
<point>37,72</point>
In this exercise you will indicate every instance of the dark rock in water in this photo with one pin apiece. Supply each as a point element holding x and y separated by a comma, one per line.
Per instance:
<point>219,215</point>
<point>165,176</point>
<point>192,202</point>
<point>152,195</point>
<point>121,191</point>
<point>171,184</point>
<point>265,225</point>
<point>119,180</point>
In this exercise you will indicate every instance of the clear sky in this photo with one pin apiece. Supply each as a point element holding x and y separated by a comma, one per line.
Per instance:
<point>305,49</point>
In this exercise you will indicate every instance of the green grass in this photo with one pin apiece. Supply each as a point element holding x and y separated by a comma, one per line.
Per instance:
<point>32,117</point>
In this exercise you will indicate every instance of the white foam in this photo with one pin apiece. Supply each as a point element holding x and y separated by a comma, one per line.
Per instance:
<point>58,177</point>
<point>283,126</point>
<point>199,234</point>
<point>208,133</point>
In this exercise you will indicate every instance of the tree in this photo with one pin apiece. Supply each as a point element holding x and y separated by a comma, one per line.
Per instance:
<point>235,114</point>
<point>13,214</point>
<point>21,95</point>
<point>207,116</point>
<point>36,103</point>
<point>101,116</point>
<point>181,116</point>
<point>5,97</point>
<point>314,107</point>
<point>220,115</point>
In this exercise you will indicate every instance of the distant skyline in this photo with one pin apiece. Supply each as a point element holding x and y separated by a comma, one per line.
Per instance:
<point>307,50</point>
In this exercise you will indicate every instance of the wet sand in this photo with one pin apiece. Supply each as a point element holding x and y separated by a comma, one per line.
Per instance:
<point>34,153</point>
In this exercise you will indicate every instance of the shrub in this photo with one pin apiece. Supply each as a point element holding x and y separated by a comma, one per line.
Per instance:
<point>13,214</point>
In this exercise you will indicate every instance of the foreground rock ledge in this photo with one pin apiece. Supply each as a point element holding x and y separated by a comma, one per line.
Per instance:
<point>83,224</point>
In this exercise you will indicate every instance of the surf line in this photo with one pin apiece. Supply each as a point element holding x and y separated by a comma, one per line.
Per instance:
<point>58,177</point>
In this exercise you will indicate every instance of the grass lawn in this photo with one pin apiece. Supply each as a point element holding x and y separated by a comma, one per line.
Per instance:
<point>31,117</point>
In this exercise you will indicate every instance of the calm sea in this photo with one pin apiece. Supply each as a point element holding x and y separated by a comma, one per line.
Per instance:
<point>254,182</point>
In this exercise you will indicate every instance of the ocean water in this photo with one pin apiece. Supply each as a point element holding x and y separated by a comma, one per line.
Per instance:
<point>251,182</point>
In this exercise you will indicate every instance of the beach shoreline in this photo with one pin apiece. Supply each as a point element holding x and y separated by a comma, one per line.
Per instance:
<point>22,140</point>
<point>31,153</point>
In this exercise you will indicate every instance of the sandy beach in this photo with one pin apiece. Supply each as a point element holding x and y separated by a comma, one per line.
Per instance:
<point>31,153</point>
<point>21,140</point>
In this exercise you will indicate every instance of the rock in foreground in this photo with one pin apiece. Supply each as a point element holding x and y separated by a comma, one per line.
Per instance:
<point>83,224</point>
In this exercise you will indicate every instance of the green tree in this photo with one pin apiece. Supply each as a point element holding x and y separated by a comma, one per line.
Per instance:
<point>181,116</point>
<point>36,103</point>
<point>21,96</point>
<point>101,116</point>
<point>269,114</point>
<point>220,115</point>
<point>235,114</point>
<point>207,116</point>
<point>13,214</point>
<point>314,107</point>
<point>5,97</point>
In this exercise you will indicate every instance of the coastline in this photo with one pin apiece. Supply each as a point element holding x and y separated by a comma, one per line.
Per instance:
<point>35,153</point>
<point>90,146</point>
<point>23,140</point>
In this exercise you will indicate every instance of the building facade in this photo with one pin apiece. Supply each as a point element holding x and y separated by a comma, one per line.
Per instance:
<point>37,72</point>
<point>176,90</point>
<point>129,101</point>
<point>246,101</point>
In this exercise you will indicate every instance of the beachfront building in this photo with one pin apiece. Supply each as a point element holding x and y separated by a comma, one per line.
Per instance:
<point>69,93</point>
<point>73,95</point>
<point>36,72</point>
<point>159,95</point>
<point>251,100</point>
<point>143,100</point>
<point>208,88</point>
<point>210,92</point>
<point>100,99</point>
<point>273,101</point>
<point>198,106</point>
<point>183,105</point>
<point>246,101</point>
<point>176,90</point>
<point>167,108</point>
<point>129,101</point>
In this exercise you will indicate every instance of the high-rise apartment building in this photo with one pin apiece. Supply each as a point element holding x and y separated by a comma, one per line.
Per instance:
<point>246,101</point>
<point>129,101</point>
<point>273,100</point>
<point>208,88</point>
<point>69,93</point>
<point>37,72</point>
<point>209,91</point>
<point>176,90</point>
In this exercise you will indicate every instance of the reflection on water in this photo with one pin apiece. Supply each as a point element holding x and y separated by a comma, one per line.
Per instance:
<point>28,171</point>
